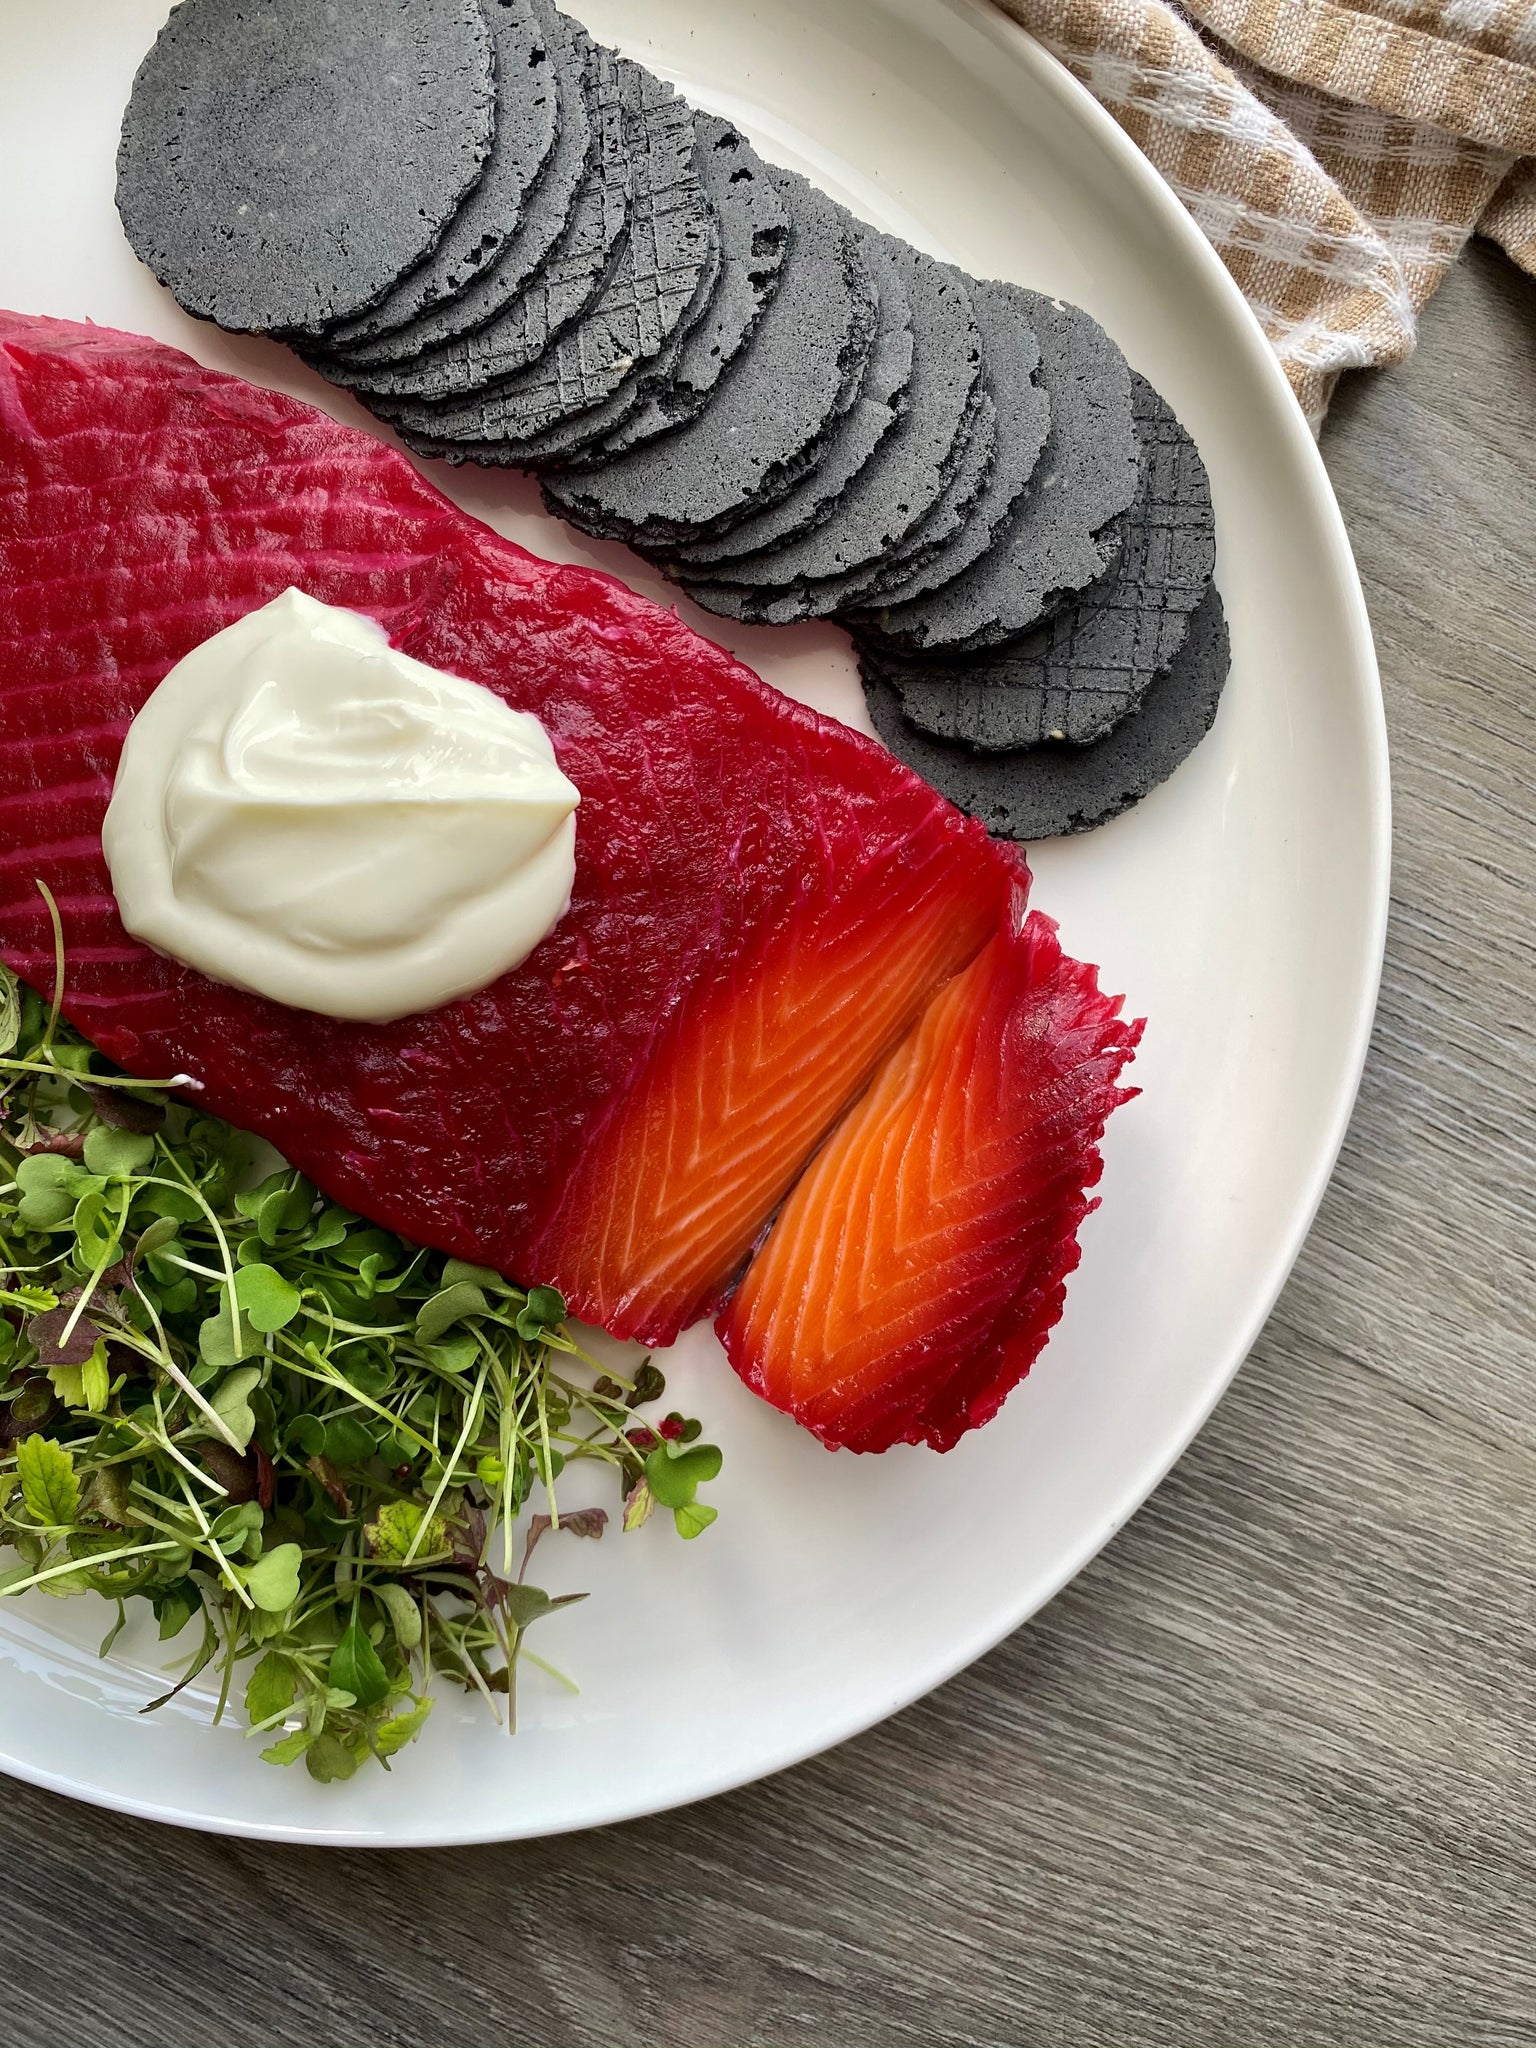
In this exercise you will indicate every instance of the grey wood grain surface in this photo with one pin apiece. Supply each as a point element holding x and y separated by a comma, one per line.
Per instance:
<point>1265,1776</point>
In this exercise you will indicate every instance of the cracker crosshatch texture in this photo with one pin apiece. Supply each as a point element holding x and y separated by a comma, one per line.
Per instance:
<point>1092,662</point>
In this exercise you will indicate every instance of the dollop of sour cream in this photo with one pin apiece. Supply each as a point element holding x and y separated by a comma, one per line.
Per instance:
<point>303,812</point>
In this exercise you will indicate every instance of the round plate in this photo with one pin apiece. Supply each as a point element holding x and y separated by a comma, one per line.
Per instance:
<point>1241,907</point>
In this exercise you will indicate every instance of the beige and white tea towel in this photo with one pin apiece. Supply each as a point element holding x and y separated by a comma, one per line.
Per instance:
<point>1338,156</point>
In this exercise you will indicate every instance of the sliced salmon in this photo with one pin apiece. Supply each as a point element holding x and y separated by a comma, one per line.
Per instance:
<point>763,898</point>
<point>919,1265</point>
<point>753,1070</point>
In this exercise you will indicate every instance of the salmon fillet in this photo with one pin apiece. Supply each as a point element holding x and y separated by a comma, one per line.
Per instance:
<point>765,901</point>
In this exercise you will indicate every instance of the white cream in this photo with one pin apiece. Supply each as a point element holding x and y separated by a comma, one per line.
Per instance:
<point>303,812</point>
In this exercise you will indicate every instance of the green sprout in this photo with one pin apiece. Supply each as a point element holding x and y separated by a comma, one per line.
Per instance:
<point>329,1452</point>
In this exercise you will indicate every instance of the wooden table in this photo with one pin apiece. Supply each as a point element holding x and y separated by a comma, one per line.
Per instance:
<point>1265,1776</point>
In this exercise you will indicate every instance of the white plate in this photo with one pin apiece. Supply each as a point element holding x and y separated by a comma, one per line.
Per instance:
<point>1242,907</point>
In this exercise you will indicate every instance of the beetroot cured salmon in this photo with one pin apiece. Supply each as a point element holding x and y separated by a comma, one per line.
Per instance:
<point>917,1269</point>
<point>764,900</point>
<point>725,1105</point>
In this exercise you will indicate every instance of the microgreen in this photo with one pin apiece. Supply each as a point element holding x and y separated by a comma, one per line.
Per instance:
<point>267,1419</point>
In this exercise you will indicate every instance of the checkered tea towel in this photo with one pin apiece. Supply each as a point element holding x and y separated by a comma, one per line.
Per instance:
<point>1337,155</point>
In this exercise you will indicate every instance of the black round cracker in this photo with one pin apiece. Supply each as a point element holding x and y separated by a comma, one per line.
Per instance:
<point>669,242</point>
<point>853,359</point>
<point>1061,533</point>
<point>264,173</point>
<point>770,412</point>
<point>881,401</point>
<point>751,233</point>
<point>826,598</point>
<point>562,292</point>
<point>527,116</point>
<point>1042,792</point>
<point>1010,353</point>
<point>754,235</point>
<point>568,442</point>
<point>1089,665</point>
<point>586,461</point>
<point>569,205</point>
<point>829,598</point>
<point>951,511</point>
<point>909,469</point>
<point>570,438</point>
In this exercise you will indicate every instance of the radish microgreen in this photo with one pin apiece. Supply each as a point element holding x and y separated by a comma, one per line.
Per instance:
<point>272,1422</point>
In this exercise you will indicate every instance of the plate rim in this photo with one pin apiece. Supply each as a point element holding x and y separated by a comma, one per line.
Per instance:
<point>1245,332</point>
